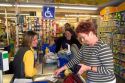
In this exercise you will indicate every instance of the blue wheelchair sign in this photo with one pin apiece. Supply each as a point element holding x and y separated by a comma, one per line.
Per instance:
<point>48,12</point>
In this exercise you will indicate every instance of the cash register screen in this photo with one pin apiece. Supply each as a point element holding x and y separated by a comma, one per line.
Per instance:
<point>4,61</point>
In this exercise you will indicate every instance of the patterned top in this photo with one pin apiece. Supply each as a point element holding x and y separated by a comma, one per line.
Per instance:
<point>99,55</point>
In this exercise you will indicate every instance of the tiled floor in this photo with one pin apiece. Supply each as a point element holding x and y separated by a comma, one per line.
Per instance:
<point>119,79</point>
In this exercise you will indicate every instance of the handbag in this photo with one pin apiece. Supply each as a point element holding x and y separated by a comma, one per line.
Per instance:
<point>74,78</point>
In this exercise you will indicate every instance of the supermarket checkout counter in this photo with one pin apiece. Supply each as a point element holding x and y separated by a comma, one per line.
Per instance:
<point>45,70</point>
<point>7,78</point>
<point>46,73</point>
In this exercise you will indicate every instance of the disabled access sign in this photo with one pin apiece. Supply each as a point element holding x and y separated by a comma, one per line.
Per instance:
<point>48,12</point>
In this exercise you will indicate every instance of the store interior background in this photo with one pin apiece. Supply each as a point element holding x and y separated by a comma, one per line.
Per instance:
<point>18,16</point>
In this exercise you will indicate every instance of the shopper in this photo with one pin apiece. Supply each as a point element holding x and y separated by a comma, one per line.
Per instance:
<point>96,56</point>
<point>24,58</point>
<point>67,26</point>
<point>68,38</point>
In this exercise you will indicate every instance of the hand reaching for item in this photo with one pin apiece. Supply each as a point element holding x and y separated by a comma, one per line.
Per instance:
<point>83,68</point>
<point>58,71</point>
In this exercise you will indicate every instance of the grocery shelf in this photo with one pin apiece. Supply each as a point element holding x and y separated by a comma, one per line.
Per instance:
<point>120,76</point>
<point>119,59</point>
<point>113,27</point>
<point>119,66</point>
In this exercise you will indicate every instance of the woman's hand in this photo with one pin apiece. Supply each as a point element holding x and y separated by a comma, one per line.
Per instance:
<point>83,68</point>
<point>57,72</point>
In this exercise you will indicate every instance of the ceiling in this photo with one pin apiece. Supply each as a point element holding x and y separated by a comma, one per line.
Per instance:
<point>61,12</point>
<point>88,2</point>
<point>85,2</point>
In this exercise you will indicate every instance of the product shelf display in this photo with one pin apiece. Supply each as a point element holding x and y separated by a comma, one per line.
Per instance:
<point>2,32</point>
<point>46,28</point>
<point>20,28</point>
<point>119,45</point>
<point>33,23</point>
<point>112,30</point>
<point>7,35</point>
<point>106,29</point>
<point>26,23</point>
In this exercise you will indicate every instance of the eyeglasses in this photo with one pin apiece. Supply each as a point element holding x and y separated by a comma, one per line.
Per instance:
<point>81,39</point>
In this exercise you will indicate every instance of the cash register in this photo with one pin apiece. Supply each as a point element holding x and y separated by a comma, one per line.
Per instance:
<point>4,64</point>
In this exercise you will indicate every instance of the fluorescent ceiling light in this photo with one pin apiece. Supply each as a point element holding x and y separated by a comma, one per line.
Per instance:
<point>67,18</point>
<point>10,17</point>
<point>6,4</point>
<point>30,5</point>
<point>7,13</point>
<point>79,15</point>
<point>24,5</point>
<point>75,15</point>
<point>62,20</point>
<point>13,14</point>
<point>94,16</point>
<point>56,6</point>
<point>79,7</point>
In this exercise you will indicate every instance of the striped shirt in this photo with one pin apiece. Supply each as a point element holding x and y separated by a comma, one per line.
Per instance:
<point>99,55</point>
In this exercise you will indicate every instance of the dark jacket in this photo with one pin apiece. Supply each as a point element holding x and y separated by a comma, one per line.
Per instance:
<point>62,42</point>
<point>18,63</point>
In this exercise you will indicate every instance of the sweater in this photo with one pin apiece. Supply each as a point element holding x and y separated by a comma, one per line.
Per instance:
<point>99,55</point>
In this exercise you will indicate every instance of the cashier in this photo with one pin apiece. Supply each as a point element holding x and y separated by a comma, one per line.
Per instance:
<point>24,58</point>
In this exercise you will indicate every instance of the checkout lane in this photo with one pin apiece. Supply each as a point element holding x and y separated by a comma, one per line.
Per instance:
<point>44,69</point>
<point>47,67</point>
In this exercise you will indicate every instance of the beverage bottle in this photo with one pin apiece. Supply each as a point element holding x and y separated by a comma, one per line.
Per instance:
<point>46,50</point>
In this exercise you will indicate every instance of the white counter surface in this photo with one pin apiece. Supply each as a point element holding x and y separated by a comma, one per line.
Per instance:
<point>7,78</point>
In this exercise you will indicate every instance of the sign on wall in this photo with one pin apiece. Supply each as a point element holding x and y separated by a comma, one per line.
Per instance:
<point>48,12</point>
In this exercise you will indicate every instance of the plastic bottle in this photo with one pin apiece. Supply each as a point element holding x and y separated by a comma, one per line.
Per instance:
<point>46,50</point>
